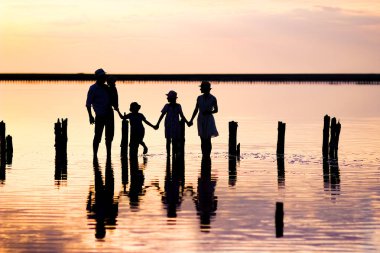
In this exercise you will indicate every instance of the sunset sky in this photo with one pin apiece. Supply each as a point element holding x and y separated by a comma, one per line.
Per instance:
<point>199,36</point>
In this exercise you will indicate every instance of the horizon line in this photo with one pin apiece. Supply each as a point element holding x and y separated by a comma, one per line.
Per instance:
<point>228,77</point>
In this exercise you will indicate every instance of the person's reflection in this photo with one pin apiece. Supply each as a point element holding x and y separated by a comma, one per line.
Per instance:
<point>205,200</point>
<point>103,207</point>
<point>174,185</point>
<point>136,184</point>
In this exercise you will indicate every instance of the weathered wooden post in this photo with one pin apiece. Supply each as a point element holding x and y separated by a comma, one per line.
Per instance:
<point>326,133</point>
<point>337,134</point>
<point>124,137</point>
<point>9,149</point>
<point>281,138</point>
<point>279,219</point>
<point>232,149</point>
<point>58,139</point>
<point>60,131</point>
<point>180,154</point>
<point>64,136</point>
<point>332,143</point>
<point>232,127</point>
<point>2,141</point>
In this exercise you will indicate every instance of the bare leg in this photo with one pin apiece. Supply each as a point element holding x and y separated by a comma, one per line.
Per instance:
<point>168,146</point>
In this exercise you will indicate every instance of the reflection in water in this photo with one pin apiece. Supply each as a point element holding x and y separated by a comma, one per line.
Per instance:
<point>279,219</point>
<point>124,171</point>
<point>326,174</point>
<point>2,171</point>
<point>232,173</point>
<point>205,200</point>
<point>280,171</point>
<point>60,173</point>
<point>136,184</point>
<point>334,178</point>
<point>102,206</point>
<point>331,176</point>
<point>174,187</point>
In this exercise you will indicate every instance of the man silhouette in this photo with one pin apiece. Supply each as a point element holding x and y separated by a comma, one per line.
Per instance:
<point>98,98</point>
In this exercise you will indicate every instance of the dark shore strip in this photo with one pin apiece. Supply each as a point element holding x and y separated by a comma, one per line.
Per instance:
<point>329,78</point>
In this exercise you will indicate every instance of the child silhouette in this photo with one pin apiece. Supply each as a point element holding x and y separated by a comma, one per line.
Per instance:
<point>136,120</point>
<point>173,111</point>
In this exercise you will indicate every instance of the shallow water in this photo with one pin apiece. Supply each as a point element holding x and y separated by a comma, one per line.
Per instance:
<point>147,208</point>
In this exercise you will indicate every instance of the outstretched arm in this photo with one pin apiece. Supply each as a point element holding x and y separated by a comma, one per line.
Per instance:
<point>149,124</point>
<point>159,120</point>
<point>183,117</point>
<point>120,115</point>
<point>196,109</point>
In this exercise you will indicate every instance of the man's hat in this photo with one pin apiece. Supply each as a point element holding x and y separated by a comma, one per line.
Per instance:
<point>100,73</point>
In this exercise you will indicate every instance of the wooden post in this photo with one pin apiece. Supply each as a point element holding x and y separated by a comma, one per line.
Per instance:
<point>232,127</point>
<point>279,219</point>
<point>64,136</point>
<point>337,134</point>
<point>326,133</point>
<point>9,149</point>
<point>2,151</point>
<point>179,156</point>
<point>332,138</point>
<point>60,131</point>
<point>281,138</point>
<point>57,133</point>
<point>124,137</point>
<point>232,151</point>
<point>2,141</point>
<point>182,138</point>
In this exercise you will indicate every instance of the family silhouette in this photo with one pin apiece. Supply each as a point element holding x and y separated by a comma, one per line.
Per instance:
<point>103,98</point>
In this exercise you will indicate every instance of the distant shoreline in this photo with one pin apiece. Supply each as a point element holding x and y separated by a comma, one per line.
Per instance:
<point>330,78</point>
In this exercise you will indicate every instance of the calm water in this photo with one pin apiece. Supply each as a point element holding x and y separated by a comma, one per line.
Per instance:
<point>147,208</point>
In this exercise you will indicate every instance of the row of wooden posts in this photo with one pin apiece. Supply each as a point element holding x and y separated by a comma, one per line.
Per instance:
<point>329,147</point>
<point>331,134</point>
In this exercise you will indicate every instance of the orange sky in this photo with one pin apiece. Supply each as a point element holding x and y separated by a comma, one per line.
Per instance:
<point>202,36</point>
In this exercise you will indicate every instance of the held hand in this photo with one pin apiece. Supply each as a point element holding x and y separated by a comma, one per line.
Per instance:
<point>92,120</point>
<point>120,115</point>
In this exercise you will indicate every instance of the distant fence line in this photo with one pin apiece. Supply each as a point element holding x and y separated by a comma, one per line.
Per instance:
<point>325,78</point>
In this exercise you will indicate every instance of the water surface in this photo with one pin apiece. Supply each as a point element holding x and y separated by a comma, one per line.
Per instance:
<point>148,207</point>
